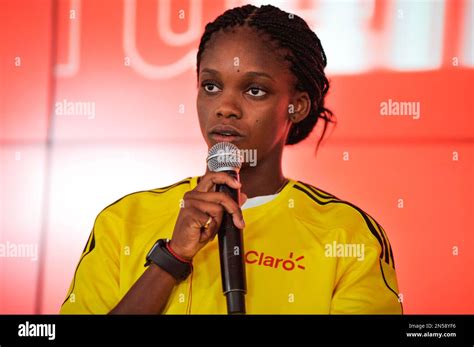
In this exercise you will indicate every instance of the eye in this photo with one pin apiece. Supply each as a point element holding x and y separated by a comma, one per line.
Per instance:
<point>210,87</point>
<point>255,91</point>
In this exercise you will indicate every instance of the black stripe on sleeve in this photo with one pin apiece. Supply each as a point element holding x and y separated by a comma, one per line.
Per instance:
<point>91,247</point>
<point>385,246</point>
<point>318,191</point>
<point>393,291</point>
<point>385,240</point>
<point>92,236</point>
<point>159,190</point>
<point>366,219</point>
<point>389,246</point>
<point>87,243</point>
<point>154,191</point>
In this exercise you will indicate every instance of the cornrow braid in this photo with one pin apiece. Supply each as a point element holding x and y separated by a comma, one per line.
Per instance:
<point>305,55</point>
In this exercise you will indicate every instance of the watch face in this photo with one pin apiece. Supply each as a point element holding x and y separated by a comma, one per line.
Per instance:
<point>159,255</point>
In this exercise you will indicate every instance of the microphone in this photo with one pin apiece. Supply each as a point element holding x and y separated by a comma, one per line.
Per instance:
<point>225,157</point>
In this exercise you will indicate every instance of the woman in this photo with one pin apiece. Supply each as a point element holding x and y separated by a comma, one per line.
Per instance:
<point>261,86</point>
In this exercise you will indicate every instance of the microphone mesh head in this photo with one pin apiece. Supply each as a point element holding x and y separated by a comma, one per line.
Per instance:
<point>224,156</point>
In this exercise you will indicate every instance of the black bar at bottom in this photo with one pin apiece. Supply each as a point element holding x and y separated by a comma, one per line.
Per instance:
<point>442,330</point>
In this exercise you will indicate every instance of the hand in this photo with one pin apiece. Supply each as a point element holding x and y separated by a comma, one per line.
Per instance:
<point>202,202</point>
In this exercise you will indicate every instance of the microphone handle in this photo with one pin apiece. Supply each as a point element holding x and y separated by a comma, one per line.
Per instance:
<point>231,254</point>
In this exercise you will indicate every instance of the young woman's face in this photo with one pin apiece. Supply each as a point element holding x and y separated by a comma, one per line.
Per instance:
<point>244,88</point>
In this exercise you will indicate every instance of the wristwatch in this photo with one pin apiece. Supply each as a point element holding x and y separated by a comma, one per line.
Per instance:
<point>162,255</point>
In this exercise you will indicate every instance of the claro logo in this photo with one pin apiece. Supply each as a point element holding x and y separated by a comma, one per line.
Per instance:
<point>262,259</point>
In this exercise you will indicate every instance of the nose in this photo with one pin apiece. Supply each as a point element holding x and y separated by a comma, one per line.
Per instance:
<point>228,108</point>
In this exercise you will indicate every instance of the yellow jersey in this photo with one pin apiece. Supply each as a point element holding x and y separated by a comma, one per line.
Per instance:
<point>306,252</point>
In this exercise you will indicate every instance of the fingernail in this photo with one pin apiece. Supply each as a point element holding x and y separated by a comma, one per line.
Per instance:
<point>243,223</point>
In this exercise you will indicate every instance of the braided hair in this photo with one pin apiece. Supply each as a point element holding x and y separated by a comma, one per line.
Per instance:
<point>306,57</point>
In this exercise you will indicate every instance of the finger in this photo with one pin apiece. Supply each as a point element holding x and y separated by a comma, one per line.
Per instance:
<point>226,201</point>
<point>207,234</point>
<point>198,220</point>
<point>211,208</point>
<point>209,180</point>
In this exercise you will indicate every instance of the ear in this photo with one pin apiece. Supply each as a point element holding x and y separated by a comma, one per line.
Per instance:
<point>299,107</point>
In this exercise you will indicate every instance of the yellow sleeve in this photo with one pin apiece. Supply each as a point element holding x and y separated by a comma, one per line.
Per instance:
<point>367,285</point>
<point>96,282</point>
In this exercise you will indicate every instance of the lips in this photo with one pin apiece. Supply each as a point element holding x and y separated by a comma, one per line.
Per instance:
<point>225,133</point>
<point>226,130</point>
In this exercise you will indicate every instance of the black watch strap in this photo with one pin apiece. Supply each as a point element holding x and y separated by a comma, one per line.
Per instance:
<point>160,255</point>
